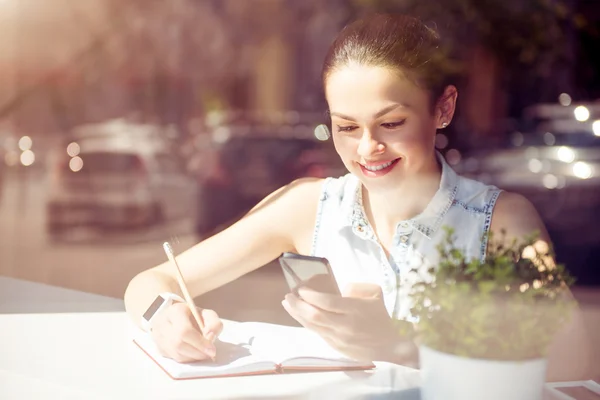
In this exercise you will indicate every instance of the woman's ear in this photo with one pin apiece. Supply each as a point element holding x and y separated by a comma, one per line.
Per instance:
<point>445,107</point>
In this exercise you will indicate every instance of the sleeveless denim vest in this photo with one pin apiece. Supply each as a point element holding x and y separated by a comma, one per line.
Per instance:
<point>344,236</point>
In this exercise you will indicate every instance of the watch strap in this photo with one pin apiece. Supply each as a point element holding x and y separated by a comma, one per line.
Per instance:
<point>162,301</point>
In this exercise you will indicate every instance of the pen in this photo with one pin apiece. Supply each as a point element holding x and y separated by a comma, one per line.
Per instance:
<point>186,294</point>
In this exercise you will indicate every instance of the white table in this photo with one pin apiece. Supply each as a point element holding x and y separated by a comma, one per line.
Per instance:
<point>63,344</point>
<point>70,345</point>
<point>19,296</point>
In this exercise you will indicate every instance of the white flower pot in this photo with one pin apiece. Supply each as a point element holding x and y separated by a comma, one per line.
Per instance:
<point>450,377</point>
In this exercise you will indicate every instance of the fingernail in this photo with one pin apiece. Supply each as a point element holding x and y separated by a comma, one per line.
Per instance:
<point>210,336</point>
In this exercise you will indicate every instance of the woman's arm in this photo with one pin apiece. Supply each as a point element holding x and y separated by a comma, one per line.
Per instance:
<point>569,354</point>
<point>282,222</point>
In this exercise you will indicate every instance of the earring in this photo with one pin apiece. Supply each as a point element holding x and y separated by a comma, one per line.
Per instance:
<point>322,132</point>
<point>444,124</point>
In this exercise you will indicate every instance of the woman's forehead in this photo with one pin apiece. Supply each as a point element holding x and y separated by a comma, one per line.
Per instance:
<point>367,89</point>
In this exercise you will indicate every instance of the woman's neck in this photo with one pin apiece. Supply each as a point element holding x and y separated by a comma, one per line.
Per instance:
<point>407,200</point>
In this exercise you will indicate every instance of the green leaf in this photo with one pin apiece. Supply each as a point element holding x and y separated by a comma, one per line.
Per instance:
<point>477,308</point>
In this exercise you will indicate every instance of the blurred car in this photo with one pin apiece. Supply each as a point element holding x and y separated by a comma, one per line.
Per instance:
<point>117,175</point>
<point>237,166</point>
<point>556,165</point>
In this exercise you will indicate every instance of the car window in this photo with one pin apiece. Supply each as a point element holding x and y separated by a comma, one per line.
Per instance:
<point>108,163</point>
<point>244,152</point>
<point>169,164</point>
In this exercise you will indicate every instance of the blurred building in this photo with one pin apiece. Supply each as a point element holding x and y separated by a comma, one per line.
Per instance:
<point>66,63</point>
<point>63,63</point>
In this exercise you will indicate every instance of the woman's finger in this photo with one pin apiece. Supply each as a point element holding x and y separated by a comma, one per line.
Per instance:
<point>213,326</point>
<point>363,290</point>
<point>184,329</point>
<point>325,301</point>
<point>309,315</point>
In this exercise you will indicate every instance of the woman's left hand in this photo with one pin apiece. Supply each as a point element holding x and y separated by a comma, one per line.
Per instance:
<point>356,324</point>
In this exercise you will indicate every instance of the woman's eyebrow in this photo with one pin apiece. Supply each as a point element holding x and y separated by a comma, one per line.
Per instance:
<point>377,114</point>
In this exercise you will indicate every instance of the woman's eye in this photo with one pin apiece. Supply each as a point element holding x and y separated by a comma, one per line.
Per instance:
<point>346,128</point>
<point>392,125</point>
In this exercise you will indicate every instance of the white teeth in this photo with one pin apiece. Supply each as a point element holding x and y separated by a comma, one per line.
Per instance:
<point>379,167</point>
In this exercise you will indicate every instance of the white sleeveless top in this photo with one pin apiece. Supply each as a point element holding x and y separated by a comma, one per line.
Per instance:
<point>344,236</point>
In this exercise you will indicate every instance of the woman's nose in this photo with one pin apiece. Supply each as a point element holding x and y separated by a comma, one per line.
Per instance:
<point>369,145</point>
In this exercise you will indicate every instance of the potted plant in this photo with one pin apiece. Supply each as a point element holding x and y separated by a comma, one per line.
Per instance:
<point>483,327</point>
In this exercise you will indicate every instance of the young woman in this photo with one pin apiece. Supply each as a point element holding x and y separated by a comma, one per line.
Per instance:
<point>387,95</point>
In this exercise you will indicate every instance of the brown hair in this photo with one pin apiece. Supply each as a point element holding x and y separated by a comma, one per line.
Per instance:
<point>395,41</point>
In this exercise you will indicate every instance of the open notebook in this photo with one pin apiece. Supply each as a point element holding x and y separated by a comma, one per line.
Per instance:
<point>247,348</point>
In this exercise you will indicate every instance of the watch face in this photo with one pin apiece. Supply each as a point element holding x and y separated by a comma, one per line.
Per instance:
<point>153,308</point>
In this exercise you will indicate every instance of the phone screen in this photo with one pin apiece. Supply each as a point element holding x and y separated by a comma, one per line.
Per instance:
<point>579,392</point>
<point>312,272</point>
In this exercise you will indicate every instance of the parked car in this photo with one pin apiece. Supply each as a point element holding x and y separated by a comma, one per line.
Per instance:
<point>556,165</point>
<point>116,178</point>
<point>238,166</point>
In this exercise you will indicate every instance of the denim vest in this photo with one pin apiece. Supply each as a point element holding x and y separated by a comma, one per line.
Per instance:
<point>344,236</point>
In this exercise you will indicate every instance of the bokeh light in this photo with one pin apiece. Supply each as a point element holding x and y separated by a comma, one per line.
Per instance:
<point>565,154</point>
<point>582,170</point>
<point>596,127</point>
<point>11,158</point>
<point>549,138</point>
<point>517,139</point>
<point>25,143</point>
<point>550,181</point>
<point>582,113</point>
<point>535,165</point>
<point>73,149</point>
<point>564,99</point>
<point>27,158</point>
<point>76,164</point>
<point>453,157</point>
<point>441,141</point>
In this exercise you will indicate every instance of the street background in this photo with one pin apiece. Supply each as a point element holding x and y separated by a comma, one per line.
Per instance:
<point>109,107</point>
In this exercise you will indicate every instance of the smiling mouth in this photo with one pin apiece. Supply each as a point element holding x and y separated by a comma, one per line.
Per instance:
<point>379,167</point>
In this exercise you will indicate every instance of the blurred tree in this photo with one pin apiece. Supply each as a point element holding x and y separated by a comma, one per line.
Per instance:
<point>520,33</point>
<point>174,53</point>
<point>316,25</point>
<point>149,57</point>
<point>509,52</point>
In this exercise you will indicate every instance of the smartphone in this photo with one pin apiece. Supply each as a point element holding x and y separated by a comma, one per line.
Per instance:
<point>575,390</point>
<point>312,272</point>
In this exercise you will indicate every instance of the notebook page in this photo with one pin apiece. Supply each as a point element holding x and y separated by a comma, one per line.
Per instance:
<point>234,356</point>
<point>279,343</point>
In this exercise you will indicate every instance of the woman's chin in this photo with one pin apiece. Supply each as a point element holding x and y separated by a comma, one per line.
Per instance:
<point>389,181</point>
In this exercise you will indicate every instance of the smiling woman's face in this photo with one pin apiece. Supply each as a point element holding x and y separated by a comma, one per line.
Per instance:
<point>377,118</point>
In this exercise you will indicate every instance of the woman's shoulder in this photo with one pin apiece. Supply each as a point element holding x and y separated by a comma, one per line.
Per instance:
<point>328,188</point>
<point>301,190</point>
<point>517,216</point>
<point>295,216</point>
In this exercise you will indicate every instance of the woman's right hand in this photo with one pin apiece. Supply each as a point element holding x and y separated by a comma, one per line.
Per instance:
<point>178,336</point>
